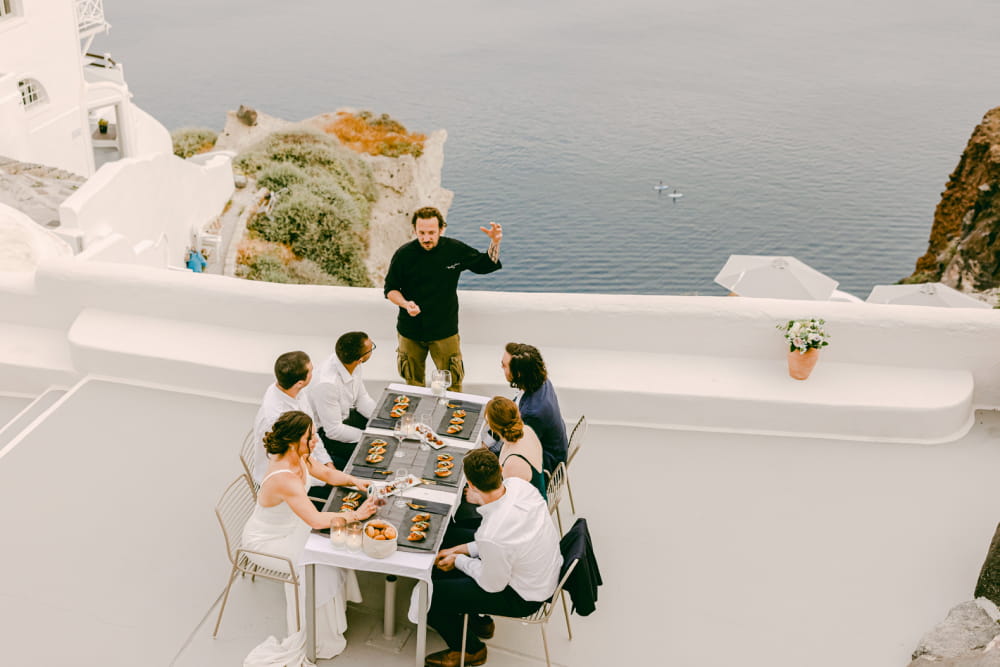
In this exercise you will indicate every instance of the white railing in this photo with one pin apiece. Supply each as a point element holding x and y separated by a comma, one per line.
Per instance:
<point>90,16</point>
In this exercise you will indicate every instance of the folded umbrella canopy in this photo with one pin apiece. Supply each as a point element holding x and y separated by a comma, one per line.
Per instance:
<point>924,294</point>
<point>775,277</point>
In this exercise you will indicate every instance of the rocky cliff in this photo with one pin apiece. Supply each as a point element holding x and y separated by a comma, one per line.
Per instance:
<point>964,246</point>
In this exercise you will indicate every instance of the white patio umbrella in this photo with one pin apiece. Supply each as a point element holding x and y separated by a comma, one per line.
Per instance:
<point>924,294</point>
<point>775,277</point>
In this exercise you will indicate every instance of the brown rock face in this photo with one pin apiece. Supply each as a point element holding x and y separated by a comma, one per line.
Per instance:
<point>964,246</point>
<point>988,585</point>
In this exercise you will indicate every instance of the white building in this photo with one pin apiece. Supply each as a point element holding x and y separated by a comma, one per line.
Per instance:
<point>53,93</point>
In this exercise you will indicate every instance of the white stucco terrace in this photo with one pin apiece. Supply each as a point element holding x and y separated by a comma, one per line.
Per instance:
<point>737,515</point>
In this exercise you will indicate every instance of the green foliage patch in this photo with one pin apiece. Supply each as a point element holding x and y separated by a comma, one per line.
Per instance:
<point>322,207</point>
<point>190,141</point>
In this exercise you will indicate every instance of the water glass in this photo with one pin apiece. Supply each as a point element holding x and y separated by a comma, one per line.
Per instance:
<point>401,475</point>
<point>354,535</point>
<point>338,532</point>
<point>440,381</point>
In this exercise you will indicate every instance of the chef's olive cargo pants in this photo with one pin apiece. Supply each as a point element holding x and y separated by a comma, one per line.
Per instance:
<point>411,357</point>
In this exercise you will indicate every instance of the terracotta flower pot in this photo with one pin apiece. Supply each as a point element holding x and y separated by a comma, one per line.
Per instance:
<point>801,365</point>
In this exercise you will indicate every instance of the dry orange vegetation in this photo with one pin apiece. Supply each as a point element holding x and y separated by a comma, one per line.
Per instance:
<point>364,133</point>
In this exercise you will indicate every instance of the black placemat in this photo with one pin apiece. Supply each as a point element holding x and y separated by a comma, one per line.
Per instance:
<point>455,404</point>
<point>437,522</point>
<point>468,426</point>
<point>390,399</point>
<point>456,470</point>
<point>361,452</point>
<point>336,499</point>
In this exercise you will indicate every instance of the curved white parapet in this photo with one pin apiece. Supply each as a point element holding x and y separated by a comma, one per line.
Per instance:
<point>24,243</point>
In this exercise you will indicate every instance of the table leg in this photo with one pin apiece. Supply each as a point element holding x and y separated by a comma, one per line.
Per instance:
<point>389,615</point>
<point>421,622</point>
<point>311,612</point>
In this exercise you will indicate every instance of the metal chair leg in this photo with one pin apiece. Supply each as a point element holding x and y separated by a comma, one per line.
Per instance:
<point>559,520</point>
<point>298,616</point>
<point>569,487</point>
<point>545,642</point>
<point>225,597</point>
<point>569,631</point>
<point>465,630</point>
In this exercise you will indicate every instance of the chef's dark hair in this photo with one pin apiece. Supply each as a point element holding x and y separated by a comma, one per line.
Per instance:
<point>426,213</point>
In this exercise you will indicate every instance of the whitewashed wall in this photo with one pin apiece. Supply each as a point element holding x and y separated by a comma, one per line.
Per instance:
<point>595,324</point>
<point>42,43</point>
<point>146,197</point>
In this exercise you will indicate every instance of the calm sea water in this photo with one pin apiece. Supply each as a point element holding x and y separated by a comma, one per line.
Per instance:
<point>821,130</point>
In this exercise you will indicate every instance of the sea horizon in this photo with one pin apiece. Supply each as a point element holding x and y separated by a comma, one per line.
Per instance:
<point>826,133</point>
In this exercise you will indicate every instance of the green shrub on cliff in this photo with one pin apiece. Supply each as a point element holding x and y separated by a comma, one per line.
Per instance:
<point>190,141</point>
<point>322,206</point>
<point>257,259</point>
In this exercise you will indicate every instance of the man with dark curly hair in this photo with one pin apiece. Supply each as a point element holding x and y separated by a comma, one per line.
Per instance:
<point>423,281</point>
<point>525,370</point>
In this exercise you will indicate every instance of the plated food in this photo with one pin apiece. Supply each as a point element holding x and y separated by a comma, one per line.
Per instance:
<point>351,501</point>
<point>442,472</point>
<point>455,428</point>
<point>445,457</point>
<point>399,407</point>
<point>374,458</point>
<point>423,516</point>
<point>416,536</point>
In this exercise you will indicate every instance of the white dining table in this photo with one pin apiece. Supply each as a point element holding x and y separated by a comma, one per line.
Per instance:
<point>418,566</point>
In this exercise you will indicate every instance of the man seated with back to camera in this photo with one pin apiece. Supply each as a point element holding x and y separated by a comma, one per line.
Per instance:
<point>293,372</point>
<point>339,399</point>
<point>536,400</point>
<point>510,567</point>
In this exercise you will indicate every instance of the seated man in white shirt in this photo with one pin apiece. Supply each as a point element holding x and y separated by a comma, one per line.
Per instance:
<point>510,568</point>
<point>339,399</point>
<point>293,371</point>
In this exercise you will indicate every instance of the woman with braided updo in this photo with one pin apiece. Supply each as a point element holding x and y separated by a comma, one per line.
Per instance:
<point>520,451</point>
<point>282,518</point>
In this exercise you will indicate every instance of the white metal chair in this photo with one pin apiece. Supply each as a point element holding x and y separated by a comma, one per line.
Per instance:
<point>575,442</point>
<point>553,491</point>
<point>247,457</point>
<point>233,510</point>
<point>539,618</point>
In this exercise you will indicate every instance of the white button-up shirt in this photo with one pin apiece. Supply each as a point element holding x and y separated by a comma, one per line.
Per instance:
<point>333,396</point>
<point>517,545</point>
<point>274,404</point>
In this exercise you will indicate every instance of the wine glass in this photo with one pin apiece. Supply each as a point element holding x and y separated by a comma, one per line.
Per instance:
<point>401,475</point>
<point>440,381</point>
<point>378,495</point>
<point>354,536</point>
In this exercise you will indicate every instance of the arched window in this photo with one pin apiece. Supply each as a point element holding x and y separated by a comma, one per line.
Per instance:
<point>32,92</point>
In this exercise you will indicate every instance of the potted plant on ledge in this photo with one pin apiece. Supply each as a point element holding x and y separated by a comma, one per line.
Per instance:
<point>102,126</point>
<point>805,338</point>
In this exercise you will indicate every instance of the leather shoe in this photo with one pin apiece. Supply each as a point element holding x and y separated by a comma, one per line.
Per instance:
<point>482,626</point>
<point>449,658</point>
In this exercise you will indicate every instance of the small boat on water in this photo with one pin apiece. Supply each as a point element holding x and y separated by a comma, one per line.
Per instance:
<point>661,187</point>
<point>675,194</point>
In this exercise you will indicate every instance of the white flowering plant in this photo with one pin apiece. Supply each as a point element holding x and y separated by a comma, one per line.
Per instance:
<point>803,335</point>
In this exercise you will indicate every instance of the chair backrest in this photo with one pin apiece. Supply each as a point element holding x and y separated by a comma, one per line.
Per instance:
<point>576,439</point>
<point>545,611</point>
<point>233,510</point>
<point>554,486</point>
<point>247,454</point>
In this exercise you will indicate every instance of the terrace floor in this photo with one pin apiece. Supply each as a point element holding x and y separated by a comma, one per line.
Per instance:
<point>715,549</point>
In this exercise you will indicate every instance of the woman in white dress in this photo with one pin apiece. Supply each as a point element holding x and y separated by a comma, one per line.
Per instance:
<point>280,525</point>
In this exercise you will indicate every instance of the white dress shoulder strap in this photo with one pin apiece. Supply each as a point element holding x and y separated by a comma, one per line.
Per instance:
<point>276,472</point>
